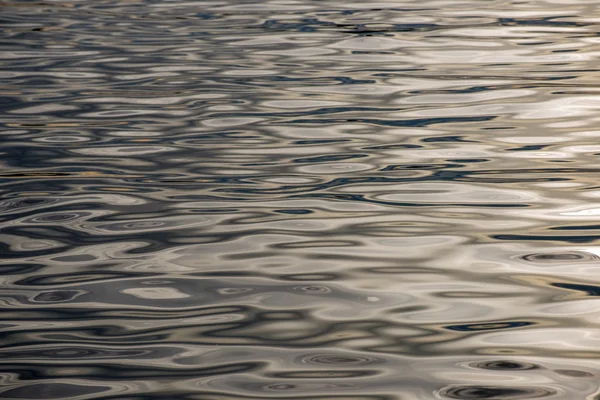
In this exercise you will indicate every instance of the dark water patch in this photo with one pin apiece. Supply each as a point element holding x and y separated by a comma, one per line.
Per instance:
<point>589,290</point>
<point>489,326</point>
<point>497,392</point>
<point>504,365</point>
<point>571,257</point>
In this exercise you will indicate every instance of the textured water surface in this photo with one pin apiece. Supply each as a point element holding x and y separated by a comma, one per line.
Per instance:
<point>300,199</point>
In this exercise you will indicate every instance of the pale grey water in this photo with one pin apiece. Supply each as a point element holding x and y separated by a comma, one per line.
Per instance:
<point>215,200</point>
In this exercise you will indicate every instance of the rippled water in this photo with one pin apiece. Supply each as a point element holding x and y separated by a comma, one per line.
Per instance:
<point>300,199</point>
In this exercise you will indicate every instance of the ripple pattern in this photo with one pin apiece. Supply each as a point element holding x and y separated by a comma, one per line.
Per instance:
<point>232,199</point>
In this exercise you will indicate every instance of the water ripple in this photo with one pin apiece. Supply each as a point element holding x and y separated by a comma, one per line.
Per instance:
<point>293,199</point>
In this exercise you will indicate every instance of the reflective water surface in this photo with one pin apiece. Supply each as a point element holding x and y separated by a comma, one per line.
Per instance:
<point>300,199</point>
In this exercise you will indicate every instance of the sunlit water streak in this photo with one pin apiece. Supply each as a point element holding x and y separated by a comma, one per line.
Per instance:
<point>300,199</point>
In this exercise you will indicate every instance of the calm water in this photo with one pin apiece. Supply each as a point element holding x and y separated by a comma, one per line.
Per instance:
<point>231,199</point>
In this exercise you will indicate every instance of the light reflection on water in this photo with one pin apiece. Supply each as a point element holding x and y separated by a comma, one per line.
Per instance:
<point>300,200</point>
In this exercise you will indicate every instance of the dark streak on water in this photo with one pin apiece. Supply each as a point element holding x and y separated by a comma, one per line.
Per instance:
<point>300,199</point>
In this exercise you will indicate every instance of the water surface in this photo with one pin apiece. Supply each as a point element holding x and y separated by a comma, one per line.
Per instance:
<point>298,199</point>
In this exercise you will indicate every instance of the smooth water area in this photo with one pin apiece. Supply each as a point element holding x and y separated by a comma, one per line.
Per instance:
<point>300,199</point>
